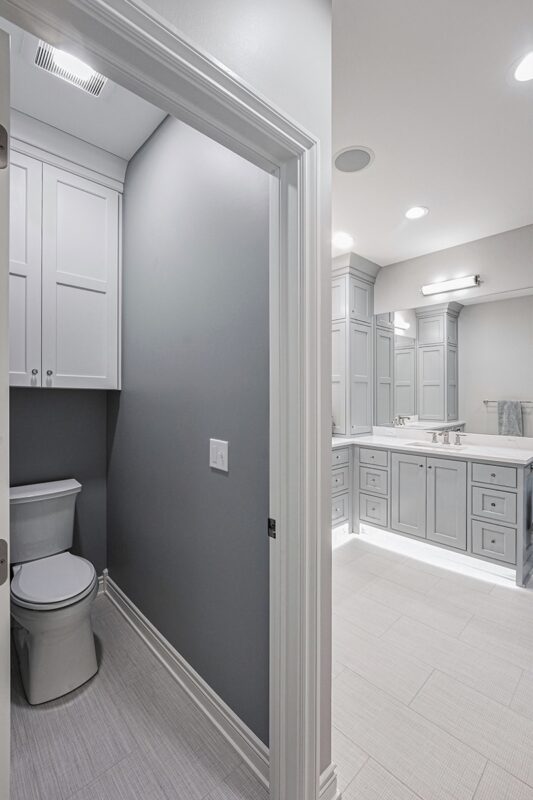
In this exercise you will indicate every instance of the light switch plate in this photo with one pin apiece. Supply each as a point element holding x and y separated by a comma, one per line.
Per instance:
<point>218,454</point>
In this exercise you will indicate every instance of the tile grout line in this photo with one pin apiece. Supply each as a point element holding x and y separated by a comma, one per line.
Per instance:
<point>480,779</point>
<point>467,744</point>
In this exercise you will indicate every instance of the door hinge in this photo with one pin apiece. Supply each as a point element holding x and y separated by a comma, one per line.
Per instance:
<point>4,566</point>
<point>272,528</point>
<point>3,147</point>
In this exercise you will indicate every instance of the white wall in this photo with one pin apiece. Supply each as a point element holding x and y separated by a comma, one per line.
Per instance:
<point>504,261</point>
<point>495,361</point>
<point>283,50</point>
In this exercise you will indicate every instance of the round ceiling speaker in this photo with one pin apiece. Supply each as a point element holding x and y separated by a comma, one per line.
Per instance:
<point>353,159</point>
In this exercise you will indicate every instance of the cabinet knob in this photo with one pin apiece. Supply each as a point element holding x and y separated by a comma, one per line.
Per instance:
<point>493,541</point>
<point>493,505</point>
<point>421,466</point>
<point>49,372</point>
<point>492,474</point>
<point>430,467</point>
<point>35,372</point>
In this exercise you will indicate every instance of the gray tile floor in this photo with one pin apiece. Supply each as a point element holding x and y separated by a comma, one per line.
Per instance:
<point>433,681</point>
<point>129,734</point>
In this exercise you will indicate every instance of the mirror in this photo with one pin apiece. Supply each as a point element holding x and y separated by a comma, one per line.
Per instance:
<point>458,366</point>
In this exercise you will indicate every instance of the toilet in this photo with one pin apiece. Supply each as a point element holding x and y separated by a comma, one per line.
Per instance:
<point>51,592</point>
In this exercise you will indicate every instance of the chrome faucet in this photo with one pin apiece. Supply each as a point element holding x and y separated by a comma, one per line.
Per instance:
<point>434,439</point>
<point>445,436</point>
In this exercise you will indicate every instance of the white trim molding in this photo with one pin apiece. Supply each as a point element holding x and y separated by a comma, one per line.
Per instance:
<point>328,784</point>
<point>132,45</point>
<point>245,742</point>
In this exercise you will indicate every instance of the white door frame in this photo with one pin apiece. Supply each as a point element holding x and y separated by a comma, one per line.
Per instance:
<point>137,48</point>
<point>5,633</point>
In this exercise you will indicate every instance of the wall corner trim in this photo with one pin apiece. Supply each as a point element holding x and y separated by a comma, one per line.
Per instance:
<point>244,741</point>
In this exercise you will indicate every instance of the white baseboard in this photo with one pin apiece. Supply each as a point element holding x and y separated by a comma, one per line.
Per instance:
<point>245,742</point>
<point>328,784</point>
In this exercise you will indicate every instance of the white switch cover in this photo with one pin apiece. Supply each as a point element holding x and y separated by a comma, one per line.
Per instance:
<point>218,454</point>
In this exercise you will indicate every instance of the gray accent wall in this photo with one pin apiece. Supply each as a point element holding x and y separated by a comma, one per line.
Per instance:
<point>61,433</point>
<point>186,543</point>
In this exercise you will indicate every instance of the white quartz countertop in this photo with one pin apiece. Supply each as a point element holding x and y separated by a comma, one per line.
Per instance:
<point>504,453</point>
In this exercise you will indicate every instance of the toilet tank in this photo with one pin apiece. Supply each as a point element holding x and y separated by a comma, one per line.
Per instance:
<point>42,519</point>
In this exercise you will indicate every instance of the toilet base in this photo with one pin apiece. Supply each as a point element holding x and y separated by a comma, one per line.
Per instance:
<point>56,649</point>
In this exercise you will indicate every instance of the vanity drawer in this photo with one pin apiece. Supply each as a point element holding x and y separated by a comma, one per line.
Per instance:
<point>340,479</point>
<point>376,458</point>
<point>374,480</point>
<point>490,473</point>
<point>340,455</point>
<point>340,509</point>
<point>373,510</point>
<point>494,504</point>
<point>494,541</point>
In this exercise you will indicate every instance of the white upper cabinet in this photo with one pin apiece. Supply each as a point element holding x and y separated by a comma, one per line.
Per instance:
<point>25,271</point>
<point>361,300</point>
<point>64,278</point>
<point>80,282</point>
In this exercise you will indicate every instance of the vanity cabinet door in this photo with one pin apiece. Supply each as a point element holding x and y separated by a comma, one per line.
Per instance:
<point>408,514</point>
<point>446,502</point>
<point>431,382</point>
<point>384,378</point>
<point>361,378</point>
<point>80,282</point>
<point>25,271</point>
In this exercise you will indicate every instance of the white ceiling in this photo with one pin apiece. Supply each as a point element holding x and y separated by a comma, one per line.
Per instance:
<point>117,121</point>
<point>428,86</point>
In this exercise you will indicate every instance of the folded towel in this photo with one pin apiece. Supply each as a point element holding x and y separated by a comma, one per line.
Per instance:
<point>510,418</point>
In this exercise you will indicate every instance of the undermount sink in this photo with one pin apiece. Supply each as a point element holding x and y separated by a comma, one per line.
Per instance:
<point>435,445</point>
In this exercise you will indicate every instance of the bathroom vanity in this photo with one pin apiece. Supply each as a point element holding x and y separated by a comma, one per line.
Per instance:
<point>474,498</point>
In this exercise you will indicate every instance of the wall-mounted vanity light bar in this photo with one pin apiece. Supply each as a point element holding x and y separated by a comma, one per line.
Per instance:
<point>468,282</point>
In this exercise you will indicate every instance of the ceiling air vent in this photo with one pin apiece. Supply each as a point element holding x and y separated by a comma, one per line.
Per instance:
<point>69,68</point>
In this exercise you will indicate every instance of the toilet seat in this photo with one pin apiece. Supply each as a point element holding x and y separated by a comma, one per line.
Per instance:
<point>53,582</point>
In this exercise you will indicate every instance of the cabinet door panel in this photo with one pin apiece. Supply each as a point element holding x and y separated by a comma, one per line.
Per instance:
<point>25,271</point>
<point>408,513</point>
<point>452,386</point>
<point>431,329</point>
<point>338,377</point>
<point>338,299</point>
<point>431,382</point>
<point>446,502</point>
<point>405,381</point>
<point>360,378</point>
<point>361,301</point>
<point>384,379</point>
<point>80,282</point>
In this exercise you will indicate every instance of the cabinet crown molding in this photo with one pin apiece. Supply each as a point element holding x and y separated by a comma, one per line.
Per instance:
<point>353,264</point>
<point>453,308</point>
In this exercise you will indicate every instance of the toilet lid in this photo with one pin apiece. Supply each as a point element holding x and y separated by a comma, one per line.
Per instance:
<point>52,579</point>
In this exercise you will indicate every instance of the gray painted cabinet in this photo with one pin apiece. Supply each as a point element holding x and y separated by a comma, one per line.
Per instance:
<point>360,378</point>
<point>437,361</point>
<point>408,480</point>
<point>384,377</point>
<point>405,381</point>
<point>446,502</point>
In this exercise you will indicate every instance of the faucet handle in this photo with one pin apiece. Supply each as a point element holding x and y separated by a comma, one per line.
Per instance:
<point>434,439</point>
<point>459,436</point>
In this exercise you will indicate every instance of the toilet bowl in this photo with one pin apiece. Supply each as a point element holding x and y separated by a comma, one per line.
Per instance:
<point>52,591</point>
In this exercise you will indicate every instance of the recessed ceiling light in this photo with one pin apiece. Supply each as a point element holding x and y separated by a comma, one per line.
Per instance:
<point>353,159</point>
<point>416,212</point>
<point>342,240</point>
<point>524,71</point>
